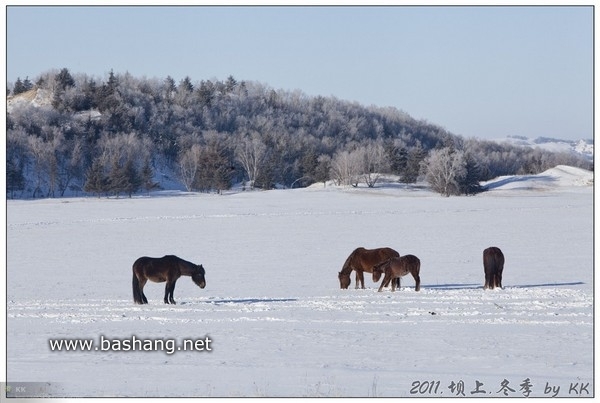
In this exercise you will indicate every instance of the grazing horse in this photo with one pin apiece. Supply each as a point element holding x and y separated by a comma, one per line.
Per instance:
<point>361,260</point>
<point>397,267</point>
<point>159,269</point>
<point>493,264</point>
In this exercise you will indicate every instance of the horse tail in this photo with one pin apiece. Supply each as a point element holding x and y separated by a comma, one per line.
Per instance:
<point>417,265</point>
<point>137,294</point>
<point>416,275</point>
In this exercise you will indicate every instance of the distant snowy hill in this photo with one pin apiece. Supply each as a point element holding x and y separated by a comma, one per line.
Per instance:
<point>561,176</point>
<point>583,147</point>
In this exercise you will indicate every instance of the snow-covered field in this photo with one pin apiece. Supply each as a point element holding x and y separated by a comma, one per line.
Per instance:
<point>277,320</point>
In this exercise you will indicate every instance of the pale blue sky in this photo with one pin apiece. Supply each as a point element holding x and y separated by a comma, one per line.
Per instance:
<point>484,72</point>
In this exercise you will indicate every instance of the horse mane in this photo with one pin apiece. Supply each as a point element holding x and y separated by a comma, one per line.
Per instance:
<point>347,268</point>
<point>186,267</point>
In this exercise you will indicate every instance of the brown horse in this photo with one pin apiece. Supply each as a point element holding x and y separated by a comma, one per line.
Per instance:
<point>397,267</point>
<point>361,260</point>
<point>160,269</point>
<point>493,265</point>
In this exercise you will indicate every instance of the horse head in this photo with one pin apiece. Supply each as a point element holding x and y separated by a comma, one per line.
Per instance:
<point>377,273</point>
<point>344,280</point>
<point>378,269</point>
<point>198,277</point>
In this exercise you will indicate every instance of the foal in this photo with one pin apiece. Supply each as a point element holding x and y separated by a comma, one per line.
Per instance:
<point>397,267</point>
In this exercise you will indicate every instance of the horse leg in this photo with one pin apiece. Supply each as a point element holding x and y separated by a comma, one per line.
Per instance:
<point>394,281</point>
<point>386,280</point>
<point>167,292</point>
<point>382,283</point>
<point>360,277</point>
<point>417,281</point>
<point>171,299</point>
<point>142,283</point>
<point>499,279</point>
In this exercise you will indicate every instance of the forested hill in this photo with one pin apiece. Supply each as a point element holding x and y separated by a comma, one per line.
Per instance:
<point>110,136</point>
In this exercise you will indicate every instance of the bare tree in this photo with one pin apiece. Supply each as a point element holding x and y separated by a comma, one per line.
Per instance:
<point>39,155</point>
<point>46,165</point>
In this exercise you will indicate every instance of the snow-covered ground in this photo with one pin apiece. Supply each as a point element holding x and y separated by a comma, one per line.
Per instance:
<point>277,321</point>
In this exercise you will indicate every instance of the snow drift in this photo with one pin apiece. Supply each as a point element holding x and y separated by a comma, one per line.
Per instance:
<point>556,178</point>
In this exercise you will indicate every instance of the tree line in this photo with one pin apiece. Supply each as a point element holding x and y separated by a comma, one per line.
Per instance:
<point>117,135</point>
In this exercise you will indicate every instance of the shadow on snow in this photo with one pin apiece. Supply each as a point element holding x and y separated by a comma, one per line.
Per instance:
<point>514,179</point>
<point>246,300</point>
<point>476,286</point>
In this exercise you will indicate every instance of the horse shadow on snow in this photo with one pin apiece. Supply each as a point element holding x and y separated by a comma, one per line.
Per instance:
<point>473,286</point>
<point>245,301</point>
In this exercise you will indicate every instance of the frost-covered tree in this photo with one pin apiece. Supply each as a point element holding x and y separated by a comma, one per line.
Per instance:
<point>64,79</point>
<point>347,166</point>
<point>445,169</point>
<point>18,88</point>
<point>215,168</point>
<point>250,153</point>
<point>118,165</point>
<point>189,163</point>
<point>376,162</point>
<point>365,163</point>
<point>414,158</point>
<point>323,168</point>
<point>96,179</point>
<point>16,160</point>
<point>186,85</point>
<point>22,86</point>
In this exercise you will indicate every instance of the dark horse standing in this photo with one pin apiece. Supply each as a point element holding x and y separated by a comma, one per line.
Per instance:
<point>159,269</point>
<point>493,264</point>
<point>361,260</point>
<point>397,267</point>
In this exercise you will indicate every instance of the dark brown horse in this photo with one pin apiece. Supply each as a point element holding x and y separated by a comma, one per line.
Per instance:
<point>160,269</point>
<point>397,267</point>
<point>361,260</point>
<point>493,265</point>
